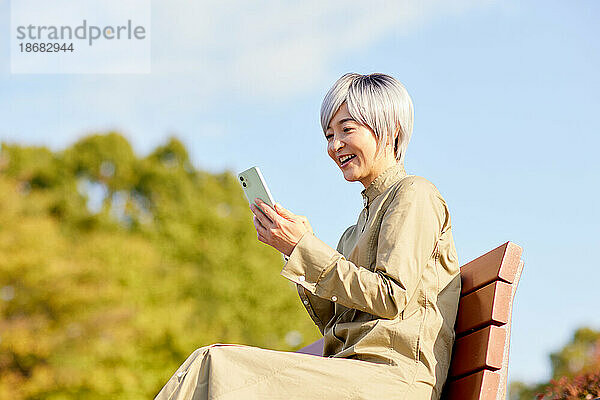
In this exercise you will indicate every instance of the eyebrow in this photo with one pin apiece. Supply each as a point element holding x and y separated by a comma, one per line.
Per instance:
<point>341,121</point>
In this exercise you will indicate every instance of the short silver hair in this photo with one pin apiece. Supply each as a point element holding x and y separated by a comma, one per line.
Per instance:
<point>377,101</point>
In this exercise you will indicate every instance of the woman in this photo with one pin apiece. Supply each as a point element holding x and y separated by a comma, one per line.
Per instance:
<point>385,300</point>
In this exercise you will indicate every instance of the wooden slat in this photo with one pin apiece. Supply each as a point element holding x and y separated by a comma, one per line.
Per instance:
<point>485,306</point>
<point>482,349</point>
<point>482,385</point>
<point>498,264</point>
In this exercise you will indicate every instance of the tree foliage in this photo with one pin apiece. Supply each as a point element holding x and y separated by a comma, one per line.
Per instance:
<point>575,371</point>
<point>114,268</point>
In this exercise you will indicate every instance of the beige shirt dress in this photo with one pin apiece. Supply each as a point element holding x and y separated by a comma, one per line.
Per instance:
<point>385,301</point>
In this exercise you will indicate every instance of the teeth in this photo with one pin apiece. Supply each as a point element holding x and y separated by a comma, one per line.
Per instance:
<point>343,159</point>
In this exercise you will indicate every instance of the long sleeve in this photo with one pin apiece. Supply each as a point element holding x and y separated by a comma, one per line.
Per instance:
<point>320,310</point>
<point>409,231</point>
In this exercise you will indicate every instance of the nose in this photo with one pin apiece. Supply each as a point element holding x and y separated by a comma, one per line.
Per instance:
<point>336,143</point>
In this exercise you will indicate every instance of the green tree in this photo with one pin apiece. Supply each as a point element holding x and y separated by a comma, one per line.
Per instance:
<point>106,302</point>
<point>575,371</point>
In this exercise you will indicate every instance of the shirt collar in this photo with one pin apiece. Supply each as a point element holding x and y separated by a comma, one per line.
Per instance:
<point>384,181</point>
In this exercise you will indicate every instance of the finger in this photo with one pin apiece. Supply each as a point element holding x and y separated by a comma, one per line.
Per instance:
<point>283,211</point>
<point>267,209</point>
<point>261,231</point>
<point>304,221</point>
<point>260,228</point>
<point>261,238</point>
<point>258,214</point>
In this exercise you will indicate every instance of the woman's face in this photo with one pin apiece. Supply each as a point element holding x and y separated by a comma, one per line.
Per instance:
<point>352,147</point>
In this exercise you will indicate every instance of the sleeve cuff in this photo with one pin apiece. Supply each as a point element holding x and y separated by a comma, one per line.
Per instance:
<point>309,260</point>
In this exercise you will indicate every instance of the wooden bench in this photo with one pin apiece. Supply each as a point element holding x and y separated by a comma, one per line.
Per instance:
<point>479,365</point>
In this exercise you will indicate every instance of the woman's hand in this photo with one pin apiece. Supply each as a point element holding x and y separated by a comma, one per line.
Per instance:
<point>282,229</point>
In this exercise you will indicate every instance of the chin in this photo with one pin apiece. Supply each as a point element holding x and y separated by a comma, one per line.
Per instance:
<point>350,177</point>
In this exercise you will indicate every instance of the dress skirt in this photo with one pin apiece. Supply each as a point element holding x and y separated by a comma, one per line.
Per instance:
<point>227,372</point>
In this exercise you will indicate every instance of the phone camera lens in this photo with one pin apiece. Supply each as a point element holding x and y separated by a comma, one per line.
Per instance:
<point>244,184</point>
<point>241,179</point>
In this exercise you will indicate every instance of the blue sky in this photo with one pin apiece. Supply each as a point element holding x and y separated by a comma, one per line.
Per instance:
<point>506,97</point>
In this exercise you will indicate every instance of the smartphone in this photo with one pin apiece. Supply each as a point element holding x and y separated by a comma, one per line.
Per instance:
<point>254,186</point>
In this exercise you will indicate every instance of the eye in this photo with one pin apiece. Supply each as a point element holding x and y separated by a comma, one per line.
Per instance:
<point>348,130</point>
<point>328,137</point>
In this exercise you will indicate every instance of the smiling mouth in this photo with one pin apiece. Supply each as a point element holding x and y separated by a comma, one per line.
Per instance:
<point>344,160</point>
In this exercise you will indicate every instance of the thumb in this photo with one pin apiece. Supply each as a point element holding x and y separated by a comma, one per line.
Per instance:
<point>282,211</point>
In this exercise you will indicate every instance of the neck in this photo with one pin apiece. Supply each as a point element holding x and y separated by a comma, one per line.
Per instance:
<point>381,167</point>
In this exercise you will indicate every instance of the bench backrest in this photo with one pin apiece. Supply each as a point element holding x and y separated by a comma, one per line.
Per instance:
<point>479,365</point>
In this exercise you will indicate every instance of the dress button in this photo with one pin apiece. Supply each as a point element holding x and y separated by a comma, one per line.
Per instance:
<point>334,298</point>
<point>305,302</point>
<point>301,278</point>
